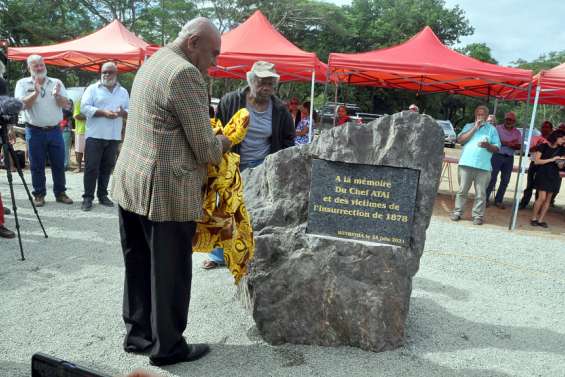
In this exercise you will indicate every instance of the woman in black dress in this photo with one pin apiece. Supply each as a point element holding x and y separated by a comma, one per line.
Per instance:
<point>549,158</point>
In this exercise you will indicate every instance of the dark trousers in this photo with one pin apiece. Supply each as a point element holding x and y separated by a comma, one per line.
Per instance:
<point>158,262</point>
<point>1,212</point>
<point>100,160</point>
<point>529,186</point>
<point>43,143</point>
<point>500,164</point>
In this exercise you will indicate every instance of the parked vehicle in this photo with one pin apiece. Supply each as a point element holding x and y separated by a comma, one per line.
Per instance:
<point>449,135</point>
<point>535,132</point>
<point>368,117</point>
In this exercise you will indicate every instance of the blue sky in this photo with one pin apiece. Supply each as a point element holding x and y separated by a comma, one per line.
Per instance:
<point>512,28</point>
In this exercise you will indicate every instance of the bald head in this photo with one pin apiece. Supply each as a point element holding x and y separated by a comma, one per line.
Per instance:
<point>200,26</point>
<point>201,41</point>
<point>109,65</point>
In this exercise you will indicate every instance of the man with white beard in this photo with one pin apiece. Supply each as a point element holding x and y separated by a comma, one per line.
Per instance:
<point>44,98</point>
<point>105,105</point>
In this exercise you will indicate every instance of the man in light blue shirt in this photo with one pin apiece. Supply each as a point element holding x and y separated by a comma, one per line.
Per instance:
<point>105,105</point>
<point>480,140</point>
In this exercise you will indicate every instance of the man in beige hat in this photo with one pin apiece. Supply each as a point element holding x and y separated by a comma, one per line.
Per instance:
<point>271,127</point>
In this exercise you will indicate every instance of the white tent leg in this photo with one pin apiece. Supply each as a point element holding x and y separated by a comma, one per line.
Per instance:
<point>335,102</point>
<point>311,123</point>
<point>495,107</point>
<point>525,160</point>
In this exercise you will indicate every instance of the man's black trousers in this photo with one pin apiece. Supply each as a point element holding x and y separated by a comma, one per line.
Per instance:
<point>158,263</point>
<point>100,158</point>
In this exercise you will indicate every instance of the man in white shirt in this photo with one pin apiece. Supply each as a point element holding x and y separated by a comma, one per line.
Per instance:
<point>43,98</point>
<point>105,105</point>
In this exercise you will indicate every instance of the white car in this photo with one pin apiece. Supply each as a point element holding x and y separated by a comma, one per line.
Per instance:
<point>449,135</point>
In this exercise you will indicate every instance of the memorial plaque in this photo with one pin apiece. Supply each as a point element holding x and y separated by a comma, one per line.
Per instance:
<point>362,202</point>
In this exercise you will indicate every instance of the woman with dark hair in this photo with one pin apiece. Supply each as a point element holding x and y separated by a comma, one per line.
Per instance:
<point>546,130</point>
<point>303,126</point>
<point>549,158</point>
<point>294,111</point>
<point>342,116</point>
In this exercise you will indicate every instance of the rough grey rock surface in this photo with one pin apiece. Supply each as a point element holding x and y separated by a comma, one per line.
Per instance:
<point>332,292</point>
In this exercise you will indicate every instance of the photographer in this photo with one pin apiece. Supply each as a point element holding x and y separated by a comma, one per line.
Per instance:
<point>4,232</point>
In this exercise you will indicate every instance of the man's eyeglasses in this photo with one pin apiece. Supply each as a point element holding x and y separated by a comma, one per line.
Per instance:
<point>108,72</point>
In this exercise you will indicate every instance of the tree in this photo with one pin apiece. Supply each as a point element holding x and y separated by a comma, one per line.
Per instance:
<point>382,23</point>
<point>545,61</point>
<point>554,114</point>
<point>38,22</point>
<point>479,51</point>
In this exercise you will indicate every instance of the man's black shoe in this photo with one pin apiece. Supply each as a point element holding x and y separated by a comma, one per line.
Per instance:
<point>6,233</point>
<point>86,204</point>
<point>195,352</point>
<point>138,350</point>
<point>105,201</point>
<point>7,211</point>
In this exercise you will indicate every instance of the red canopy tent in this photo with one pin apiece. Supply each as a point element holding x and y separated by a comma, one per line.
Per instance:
<point>257,39</point>
<point>112,42</point>
<point>552,87</point>
<point>425,64</point>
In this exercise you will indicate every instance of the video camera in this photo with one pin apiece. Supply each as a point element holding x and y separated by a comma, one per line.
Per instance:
<point>47,366</point>
<point>9,110</point>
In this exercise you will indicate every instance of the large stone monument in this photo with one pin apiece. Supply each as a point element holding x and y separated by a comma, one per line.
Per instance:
<point>340,227</point>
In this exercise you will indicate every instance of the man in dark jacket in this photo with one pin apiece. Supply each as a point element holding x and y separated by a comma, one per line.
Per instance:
<point>270,125</point>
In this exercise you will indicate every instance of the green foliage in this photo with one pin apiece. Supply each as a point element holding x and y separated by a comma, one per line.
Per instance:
<point>555,114</point>
<point>37,22</point>
<point>382,23</point>
<point>312,25</point>
<point>545,61</point>
<point>479,51</point>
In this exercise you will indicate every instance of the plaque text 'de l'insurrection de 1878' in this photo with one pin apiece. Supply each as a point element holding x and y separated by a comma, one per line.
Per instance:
<point>362,202</point>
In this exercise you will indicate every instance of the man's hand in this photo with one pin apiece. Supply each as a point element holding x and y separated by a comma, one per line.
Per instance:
<point>484,144</point>
<point>110,114</point>
<point>37,86</point>
<point>57,90</point>
<point>226,143</point>
<point>121,112</point>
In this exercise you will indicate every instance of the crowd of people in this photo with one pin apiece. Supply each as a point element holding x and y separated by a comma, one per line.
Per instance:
<point>488,151</point>
<point>156,145</point>
<point>161,168</point>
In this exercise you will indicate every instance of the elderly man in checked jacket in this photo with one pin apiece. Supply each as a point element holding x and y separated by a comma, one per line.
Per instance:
<point>158,183</point>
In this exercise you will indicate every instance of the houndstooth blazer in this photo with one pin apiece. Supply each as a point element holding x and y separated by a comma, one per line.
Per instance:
<point>168,143</point>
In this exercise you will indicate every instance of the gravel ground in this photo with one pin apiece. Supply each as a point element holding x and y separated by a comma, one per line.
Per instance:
<point>486,302</point>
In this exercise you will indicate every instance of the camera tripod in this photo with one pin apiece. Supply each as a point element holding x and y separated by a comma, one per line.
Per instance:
<point>9,159</point>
